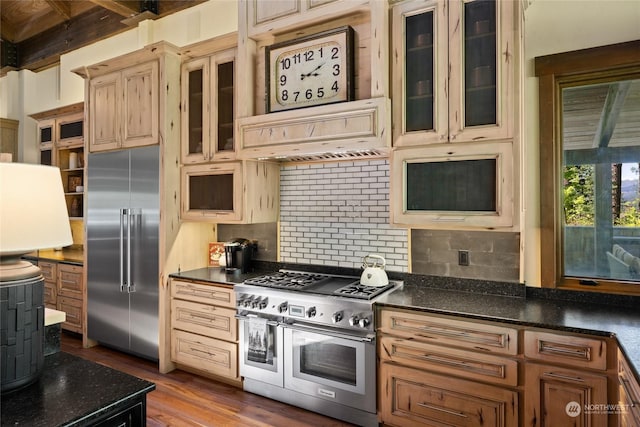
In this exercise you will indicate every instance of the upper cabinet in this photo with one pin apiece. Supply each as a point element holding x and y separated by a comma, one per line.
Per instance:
<point>209,100</point>
<point>284,113</point>
<point>453,71</point>
<point>124,108</point>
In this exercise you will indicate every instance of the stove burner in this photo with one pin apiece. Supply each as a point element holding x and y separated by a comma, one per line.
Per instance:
<point>287,280</point>
<point>358,290</point>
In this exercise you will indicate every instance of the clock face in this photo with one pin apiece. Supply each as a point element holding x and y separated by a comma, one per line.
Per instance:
<point>317,70</point>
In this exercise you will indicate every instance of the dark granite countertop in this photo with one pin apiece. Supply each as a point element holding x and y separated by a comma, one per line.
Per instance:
<point>72,392</point>
<point>71,255</point>
<point>216,275</point>
<point>622,323</point>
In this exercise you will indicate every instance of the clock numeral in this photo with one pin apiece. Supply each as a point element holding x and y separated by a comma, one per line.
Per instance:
<point>296,95</point>
<point>308,55</point>
<point>285,95</point>
<point>320,92</point>
<point>283,80</point>
<point>285,63</point>
<point>321,52</point>
<point>335,53</point>
<point>297,58</point>
<point>336,69</point>
<point>334,86</point>
<point>308,94</point>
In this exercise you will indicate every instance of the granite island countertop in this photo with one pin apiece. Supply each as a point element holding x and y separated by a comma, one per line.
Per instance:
<point>72,391</point>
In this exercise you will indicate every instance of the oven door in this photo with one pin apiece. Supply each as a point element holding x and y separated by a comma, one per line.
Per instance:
<point>261,350</point>
<point>330,365</point>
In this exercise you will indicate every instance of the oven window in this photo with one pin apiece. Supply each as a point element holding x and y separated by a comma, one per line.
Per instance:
<point>329,360</point>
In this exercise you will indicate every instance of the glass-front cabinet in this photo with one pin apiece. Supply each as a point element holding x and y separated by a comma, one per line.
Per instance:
<point>453,71</point>
<point>208,100</point>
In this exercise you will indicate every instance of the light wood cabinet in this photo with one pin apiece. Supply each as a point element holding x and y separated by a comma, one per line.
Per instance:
<point>123,106</point>
<point>50,273</point>
<point>70,296</point>
<point>231,192</point>
<point>629,394</point>
<point>436,370</point>
<point>208,108</point>
<point>454,67</point>
<point>204,330</point>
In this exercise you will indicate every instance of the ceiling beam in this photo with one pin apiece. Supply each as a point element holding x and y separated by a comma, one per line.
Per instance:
<point>610,113</point>
<point>62,8</point>
<point>124,8</point>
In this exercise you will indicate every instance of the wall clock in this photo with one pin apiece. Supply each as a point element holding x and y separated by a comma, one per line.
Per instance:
<point>312,70</point>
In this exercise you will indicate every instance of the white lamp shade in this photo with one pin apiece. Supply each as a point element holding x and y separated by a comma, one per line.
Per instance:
<point>33,211</point>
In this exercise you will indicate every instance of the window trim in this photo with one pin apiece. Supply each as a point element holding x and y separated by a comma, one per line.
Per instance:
<point>552,71</point>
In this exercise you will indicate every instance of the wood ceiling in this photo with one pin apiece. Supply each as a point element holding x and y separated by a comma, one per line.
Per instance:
<point>36,32</point>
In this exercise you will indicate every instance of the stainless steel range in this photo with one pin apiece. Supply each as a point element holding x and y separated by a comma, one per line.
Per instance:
<point>308,339</point>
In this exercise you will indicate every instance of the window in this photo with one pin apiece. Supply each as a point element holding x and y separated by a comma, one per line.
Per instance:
<point>589,168</point>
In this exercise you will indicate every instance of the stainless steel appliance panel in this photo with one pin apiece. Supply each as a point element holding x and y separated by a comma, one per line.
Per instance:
<point>269,371</point>
<point>122,249</point>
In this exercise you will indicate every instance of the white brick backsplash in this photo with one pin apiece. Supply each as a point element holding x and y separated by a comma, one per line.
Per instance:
<point>336,213</point>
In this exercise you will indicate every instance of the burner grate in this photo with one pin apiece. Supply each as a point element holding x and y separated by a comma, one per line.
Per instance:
<point>358,290</point>
<point>287,280</point>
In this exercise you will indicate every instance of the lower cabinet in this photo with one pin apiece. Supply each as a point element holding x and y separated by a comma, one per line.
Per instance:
<point>414,397</point>
<point>629,394</point>
<point>70,299</point>
<point>50,273</point>
<point>204,330</point>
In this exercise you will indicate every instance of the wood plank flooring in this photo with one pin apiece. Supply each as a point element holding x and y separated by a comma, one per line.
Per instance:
<point>183,399</point>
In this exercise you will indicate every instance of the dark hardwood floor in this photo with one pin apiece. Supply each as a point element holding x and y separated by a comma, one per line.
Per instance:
<point>184,399</point>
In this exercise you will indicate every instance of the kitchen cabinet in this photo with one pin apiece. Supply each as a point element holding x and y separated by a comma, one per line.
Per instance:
<point>9,137</point>
<point>629,394</point>
<point>208,107</point>
<point>231,192</point>
<point>454,67</point>
<point>436,370</point>
<point>49,272</point>
<point>123,107</point>
<point>70,296</point>
<point>204,330</point>
<point>565,374</point>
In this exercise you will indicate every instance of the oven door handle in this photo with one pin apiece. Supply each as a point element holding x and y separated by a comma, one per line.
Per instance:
<point>330,332</point>
<point>247,318</point>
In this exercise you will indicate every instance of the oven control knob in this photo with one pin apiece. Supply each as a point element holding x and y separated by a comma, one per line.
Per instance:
<point>311,312</point>
<point>263,303</point>
<point>246,302</point>
<point>254,302</point>
<point>282,307</point>
<point>364,322</point>
<point>353,320</point>
<point>336,317</point>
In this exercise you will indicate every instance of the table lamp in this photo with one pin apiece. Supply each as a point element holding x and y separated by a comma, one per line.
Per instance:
<point>33,215</point>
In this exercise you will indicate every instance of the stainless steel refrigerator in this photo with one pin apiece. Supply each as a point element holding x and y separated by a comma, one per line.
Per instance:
<point>122,233</point>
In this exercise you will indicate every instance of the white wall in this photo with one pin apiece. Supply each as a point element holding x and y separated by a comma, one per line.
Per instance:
<point>554,26</point>
<point>23,93</point>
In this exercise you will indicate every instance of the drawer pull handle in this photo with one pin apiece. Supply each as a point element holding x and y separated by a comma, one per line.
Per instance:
<point>197,350</point>
<point>73,282</point>
<point>441,409</point>
<point>563,377</point>
<point>628,392</point>
<point>545,347</point>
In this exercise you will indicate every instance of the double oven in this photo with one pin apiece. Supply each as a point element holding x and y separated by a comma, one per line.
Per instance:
<point>309,340</point>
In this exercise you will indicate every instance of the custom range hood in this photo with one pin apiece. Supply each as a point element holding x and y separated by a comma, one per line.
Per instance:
<point>355,129</point>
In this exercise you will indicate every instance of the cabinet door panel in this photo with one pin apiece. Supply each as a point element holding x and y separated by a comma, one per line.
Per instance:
<point>556,397</point>
<point>204,319</point>
<point>195,116</point>
<point>207,294</point>
<point>70,282</point>
<point>140,109</point>
<point>104,110</point>
<point>584,352</point>
<point>206,354</point>
<point>410,397</point>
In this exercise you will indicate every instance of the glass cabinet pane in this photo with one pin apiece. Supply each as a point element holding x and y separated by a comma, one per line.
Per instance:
<point>225,106</point>
<point>419,60</point>
<point>211,192</point>
<point>480,62</point>
<point>195,111</point>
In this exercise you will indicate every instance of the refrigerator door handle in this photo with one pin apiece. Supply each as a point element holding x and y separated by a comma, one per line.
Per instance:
<point>123,213</point>
<point>133,218</point>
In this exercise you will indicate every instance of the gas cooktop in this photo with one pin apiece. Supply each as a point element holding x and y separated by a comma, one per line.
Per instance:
<point>317,283</point>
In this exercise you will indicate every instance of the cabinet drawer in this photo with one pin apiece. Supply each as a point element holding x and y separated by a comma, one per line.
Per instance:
<point>70,281</point>
<point>204,319</point>
<point>208,294</point>
<point>410,397</point>
<point>50,294</point>
<point>444,330</point>
<point>583,352</point>
<point>73,310</point>
<point>48,269</point>
<point>629,392</point>
<point>467,364</point>
<point>203,353</point>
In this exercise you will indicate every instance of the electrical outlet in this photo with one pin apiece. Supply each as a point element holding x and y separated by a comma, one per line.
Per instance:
<point>463,257</point>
